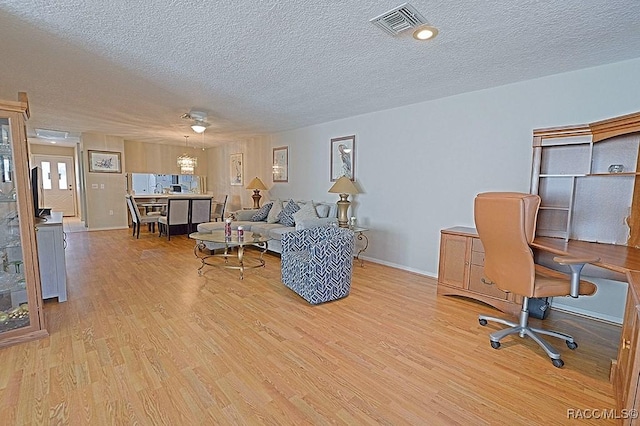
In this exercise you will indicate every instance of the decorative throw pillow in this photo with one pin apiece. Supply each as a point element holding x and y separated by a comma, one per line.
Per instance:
<point>286,215</point>
<point>262,214</point>
<point>272,217</point>
<point>307,211</point>
<point>322,210</point>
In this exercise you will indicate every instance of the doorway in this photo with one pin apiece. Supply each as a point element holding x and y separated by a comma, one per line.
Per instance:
<point>58,181</point>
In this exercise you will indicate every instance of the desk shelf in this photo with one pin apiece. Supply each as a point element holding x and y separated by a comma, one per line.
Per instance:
<point>571,168</point>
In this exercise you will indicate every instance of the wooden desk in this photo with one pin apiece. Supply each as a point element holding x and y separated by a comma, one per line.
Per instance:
<point>620,259</point>
<point>460,273</point>
<point>625,263</point>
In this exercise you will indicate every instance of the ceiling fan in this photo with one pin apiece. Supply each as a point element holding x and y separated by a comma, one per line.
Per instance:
<point>199,120</point>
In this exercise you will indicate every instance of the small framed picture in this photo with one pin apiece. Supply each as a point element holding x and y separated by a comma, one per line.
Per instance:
<point>281,164</point>
<point>235,166</point>
<point>104,162</point>
<point>342,157</point>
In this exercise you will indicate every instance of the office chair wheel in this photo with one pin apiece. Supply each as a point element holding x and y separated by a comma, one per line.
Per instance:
<point>495,345</point>
<point>558,363</point>
<point>571,345</point>
<point>482,322</point>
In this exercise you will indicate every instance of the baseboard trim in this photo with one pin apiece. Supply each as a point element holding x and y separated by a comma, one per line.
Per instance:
<point>401,267</point>
<point>108,228</point>
<point>589,315</point>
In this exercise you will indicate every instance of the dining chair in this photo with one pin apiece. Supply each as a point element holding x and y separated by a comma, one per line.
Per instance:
<point>200,212</point>
<point>218,209</point>
<point>177,216</point>
<point>138,219</point>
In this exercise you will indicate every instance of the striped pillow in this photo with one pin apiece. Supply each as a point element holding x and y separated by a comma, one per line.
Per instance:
<point>286,215</point>
<point>262,214</point>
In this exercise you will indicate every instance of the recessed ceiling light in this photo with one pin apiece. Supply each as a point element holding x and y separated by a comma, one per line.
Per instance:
<point>425,32</point>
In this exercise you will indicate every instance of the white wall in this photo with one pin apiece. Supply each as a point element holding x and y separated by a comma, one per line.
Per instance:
<point>421,165</point>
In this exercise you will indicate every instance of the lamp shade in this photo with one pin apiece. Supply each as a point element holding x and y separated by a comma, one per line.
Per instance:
<point>256,183</point>
<point>344,185</point>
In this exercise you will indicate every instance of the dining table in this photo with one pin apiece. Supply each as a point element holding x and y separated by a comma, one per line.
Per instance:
<point>152,208</point>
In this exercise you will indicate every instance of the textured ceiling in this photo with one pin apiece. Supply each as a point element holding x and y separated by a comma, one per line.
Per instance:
<point>131,69</point>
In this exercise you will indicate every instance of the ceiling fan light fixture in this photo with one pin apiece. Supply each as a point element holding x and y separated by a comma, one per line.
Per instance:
<point>425,32</point>
<point>199,127</point>
<point>199,120</point>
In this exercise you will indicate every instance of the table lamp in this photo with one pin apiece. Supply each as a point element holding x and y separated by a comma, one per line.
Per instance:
<point>344,186</point>
<point>256,184</point>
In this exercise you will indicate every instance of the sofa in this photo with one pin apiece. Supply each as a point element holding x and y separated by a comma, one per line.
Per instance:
<point>281,217</point>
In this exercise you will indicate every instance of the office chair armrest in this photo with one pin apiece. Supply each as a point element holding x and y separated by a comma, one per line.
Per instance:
<point>570,260</point>
<point>575,264</point>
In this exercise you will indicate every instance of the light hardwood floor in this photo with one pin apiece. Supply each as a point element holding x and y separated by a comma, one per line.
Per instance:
<point>144,340</point>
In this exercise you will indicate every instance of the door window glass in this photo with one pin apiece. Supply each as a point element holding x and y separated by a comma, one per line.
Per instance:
<point>46,175</point>
<point>62,176</point>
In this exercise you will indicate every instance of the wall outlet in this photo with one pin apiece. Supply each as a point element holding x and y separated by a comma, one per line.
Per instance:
<point>110,212</point>
<point>102,186</point>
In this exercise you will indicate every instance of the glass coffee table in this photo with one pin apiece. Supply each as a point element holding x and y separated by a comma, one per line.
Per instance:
<point>228,243</point>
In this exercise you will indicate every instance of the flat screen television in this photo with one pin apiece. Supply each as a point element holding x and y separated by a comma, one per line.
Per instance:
<point>37,191</point>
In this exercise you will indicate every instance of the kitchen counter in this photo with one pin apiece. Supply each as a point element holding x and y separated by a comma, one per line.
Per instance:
<point>170,195</point>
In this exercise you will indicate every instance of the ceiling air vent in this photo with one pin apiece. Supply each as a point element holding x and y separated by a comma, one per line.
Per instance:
<point>401,18</point>
<point>51,134</point>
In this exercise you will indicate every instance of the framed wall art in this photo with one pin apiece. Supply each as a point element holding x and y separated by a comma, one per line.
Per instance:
<point>281,164</point>
<point>104,162</point>
<point>235,166</point>
<point>342,157</point>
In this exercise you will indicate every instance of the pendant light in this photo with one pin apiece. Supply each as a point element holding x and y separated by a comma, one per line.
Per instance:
<point>186,163</point>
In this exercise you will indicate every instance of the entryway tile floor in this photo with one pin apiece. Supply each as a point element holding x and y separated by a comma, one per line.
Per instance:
<point>73,224</point>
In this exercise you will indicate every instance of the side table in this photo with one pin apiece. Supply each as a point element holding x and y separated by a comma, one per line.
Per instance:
<point>361,236</point>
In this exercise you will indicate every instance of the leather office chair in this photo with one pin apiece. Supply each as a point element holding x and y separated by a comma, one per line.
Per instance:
<point>506,223</point>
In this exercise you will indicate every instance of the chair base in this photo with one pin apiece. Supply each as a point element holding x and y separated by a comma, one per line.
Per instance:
<point>522,329</point>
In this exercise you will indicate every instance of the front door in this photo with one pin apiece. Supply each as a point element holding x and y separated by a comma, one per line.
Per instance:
<point>58,180</point>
